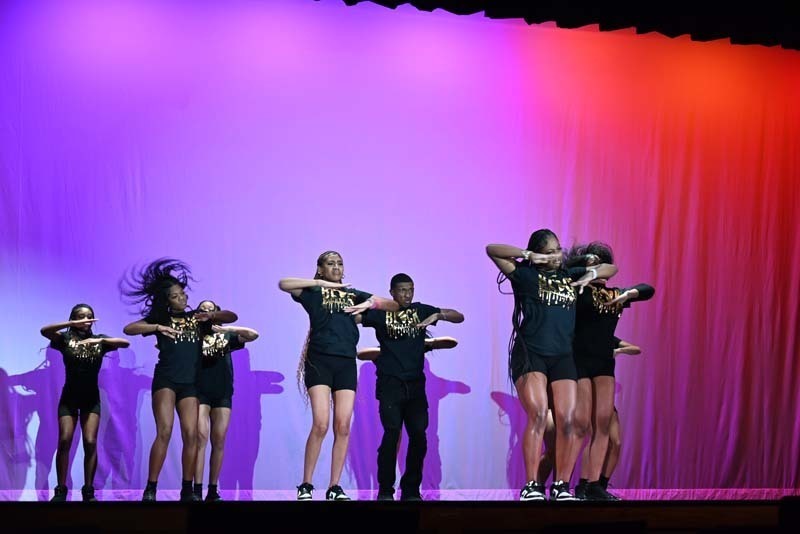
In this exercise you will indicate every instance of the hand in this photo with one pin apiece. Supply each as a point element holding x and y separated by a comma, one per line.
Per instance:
<point>82,322</point>
<point>582,282</point>
<point>633,350</point>
<point>90,341</point>
<point>429,320</point>
<point>205,316</point>
<point>621,299</point>
<point>359,308</point>
<point>331,285</point>
<point>536,258</point>
<point>166,331</point>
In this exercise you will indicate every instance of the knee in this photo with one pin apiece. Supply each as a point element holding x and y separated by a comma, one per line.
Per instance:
<point>89,446</point>
<point>341,428</point>
<point>603,424</point>
<point>581,425</point>
<point>64,445</point>
<point>614,444</point>
<point>538,419</point>
<point>417,437</point>
<point>567,424</point>
<point>202,435</point>
<point>319,429</point>
<point>217,442</point>
<point>163,433</point>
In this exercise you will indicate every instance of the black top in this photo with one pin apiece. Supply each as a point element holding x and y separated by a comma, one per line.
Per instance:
<point>333,331</point>
<point>548,308</point>
<point>596,321</point>
<point>81,362</point>
<point>179,358</point>
<point>402,343</point>
<point>216,370</point>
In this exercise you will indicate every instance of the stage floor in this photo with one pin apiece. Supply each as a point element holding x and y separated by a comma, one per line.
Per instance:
<point>370,516</point>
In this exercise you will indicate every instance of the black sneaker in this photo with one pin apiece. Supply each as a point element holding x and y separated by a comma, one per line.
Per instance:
<point>59,494</point>
<point>87,492</point>
<point>533,491</point>
<point>188,495</point>
<point>304,491</point>
<point>213,496</point>
<point>596,492</point>
<point>411,497</point>
<point>385,496</point>
<point>580,490</point>
<point>559,491</point>
<point>149,495</point>
<point>336,493</point>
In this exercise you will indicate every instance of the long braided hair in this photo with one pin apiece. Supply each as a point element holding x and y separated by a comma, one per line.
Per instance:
<point>536,243</point>
<point>301,367</point>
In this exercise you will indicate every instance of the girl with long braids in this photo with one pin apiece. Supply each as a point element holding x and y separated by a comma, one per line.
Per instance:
<point>160,289</point>
<point>215,394</point>
<point>599,309</point>
<point>83,353</point>
<point>540,349</point>
<point>328,362</point>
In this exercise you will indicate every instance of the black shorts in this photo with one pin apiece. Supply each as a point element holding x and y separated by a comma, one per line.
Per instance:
<point>336,372</point>
<point>182,391</point>
<point>553,367</point>
<point>74,404</point>
<point>592,367</point>
<point>214,401</point>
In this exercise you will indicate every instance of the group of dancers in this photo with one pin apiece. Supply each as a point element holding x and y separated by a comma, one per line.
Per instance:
<point>561,362</point>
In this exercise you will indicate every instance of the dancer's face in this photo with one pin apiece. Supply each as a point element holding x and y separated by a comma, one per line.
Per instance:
<point>207,306</point>
<point>176,297</point>
<point>403,293</point>
<point>80,314</point>
<point>332,268</point>
<point>552,246</point>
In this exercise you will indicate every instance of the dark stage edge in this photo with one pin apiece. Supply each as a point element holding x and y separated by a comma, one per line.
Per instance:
<point>435,517</point>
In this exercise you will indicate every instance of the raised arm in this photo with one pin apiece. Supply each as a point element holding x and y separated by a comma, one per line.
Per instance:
<point>295,286</point>
<point>116,342</point>
<point>445,314</point>
<point>504,257</point>
<point>51,331</point>
<point>245,334</point>
<point>604,271</point>
<point>374,303</point>
<point>217,317</point>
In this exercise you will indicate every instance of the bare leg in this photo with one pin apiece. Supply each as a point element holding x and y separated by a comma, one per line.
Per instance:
<point>220,420</point>
<point>532,391</point>
<point>343,401</point>
<point>203,431</point>
<point>320,397</point>
<point>564,397</point>
<point>164,413</point>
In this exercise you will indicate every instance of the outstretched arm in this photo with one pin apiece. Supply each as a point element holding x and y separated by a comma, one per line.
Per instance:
<point>445,314</point>
<point>373,303</point>
<point>604,270</point>
<point>504,256</point>
<point>51,331</point>
<point>245,334</point>
<point>296,285</point>
<point>142,327</point>
<point>636,293</point>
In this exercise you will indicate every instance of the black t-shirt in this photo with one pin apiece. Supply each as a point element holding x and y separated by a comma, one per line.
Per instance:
<point>596,321</point>
<point>402,343</point>
<point>333,331</point>
<point>81,362</point>
<point>548,308</point>
<point>216,371</point>
<point>179,358</point>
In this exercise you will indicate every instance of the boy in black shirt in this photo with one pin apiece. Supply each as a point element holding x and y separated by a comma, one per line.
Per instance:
<point>400,388</point>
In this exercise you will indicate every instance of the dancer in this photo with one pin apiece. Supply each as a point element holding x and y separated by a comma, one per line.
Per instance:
<point>400,386</point>
<point>540,349</point>
<point>161,289</point>
<point>215,396</point>
<point>328,362</point>
<point>83,353</point>
<point>598,311</point>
